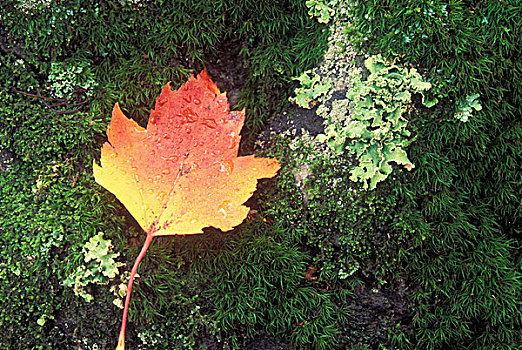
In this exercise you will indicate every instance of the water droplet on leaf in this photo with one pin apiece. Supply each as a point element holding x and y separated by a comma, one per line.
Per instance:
<point>211,123</point>
<point>224,208</point>
<point>188,116</point>
<point>172,159</point>
<point>161,196</point>
<point>162,100</point>
<point>226,166</point>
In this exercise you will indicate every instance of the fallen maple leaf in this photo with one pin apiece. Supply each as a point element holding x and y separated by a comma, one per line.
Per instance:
<point>182,173</point>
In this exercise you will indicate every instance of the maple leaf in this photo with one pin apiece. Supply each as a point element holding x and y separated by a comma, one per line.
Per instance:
<point>182,173</point>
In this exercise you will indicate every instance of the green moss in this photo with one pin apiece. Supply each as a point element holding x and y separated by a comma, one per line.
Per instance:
<point>258,288</point>
<point>313,204</point>
<point>462,195</point>
<point>49,208</point>
<point>346,231</point>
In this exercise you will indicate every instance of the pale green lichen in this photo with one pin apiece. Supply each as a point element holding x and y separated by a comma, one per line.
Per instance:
<point>323,10</point>
<point>43,319</point>
<point>98,250</point>
<point>99,268</point>
<point>369,123</point>
<point>311,88</point>
<point>66,76</point>
<point>465,107</point>
<point>375,129</point>
<point>334,73</point>
<point>120,290</point>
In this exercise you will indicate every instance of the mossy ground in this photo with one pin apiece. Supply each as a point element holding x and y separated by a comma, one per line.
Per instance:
<point>428,260</point>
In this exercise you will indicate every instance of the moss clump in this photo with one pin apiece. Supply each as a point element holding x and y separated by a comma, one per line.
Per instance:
<point>258,287</point>
<point>464,195</point>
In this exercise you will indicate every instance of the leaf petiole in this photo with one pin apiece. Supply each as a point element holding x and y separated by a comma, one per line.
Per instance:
<point>121,339</point>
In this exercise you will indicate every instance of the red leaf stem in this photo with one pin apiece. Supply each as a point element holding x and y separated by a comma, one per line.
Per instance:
<point>121,339</point>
